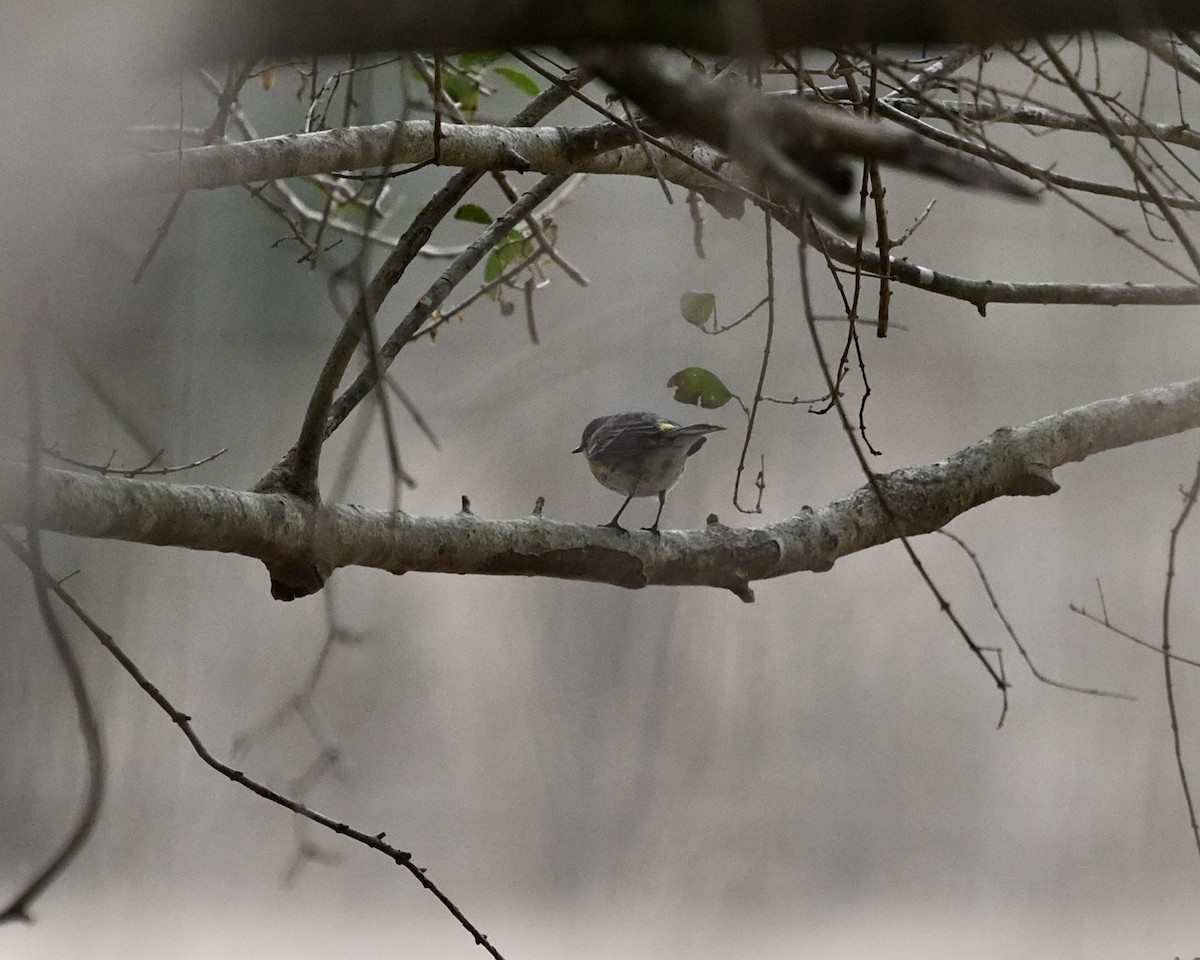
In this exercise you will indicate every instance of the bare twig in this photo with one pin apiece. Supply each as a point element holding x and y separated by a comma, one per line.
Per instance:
<point>768,339</point>
<point>89,725</point>
<point>1008,627</point>
<point>146,470</point>
<point>873,482</point>
<point>184,722</point>
<point>1190,496</point>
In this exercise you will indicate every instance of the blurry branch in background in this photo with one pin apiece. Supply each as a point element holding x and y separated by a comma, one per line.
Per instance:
<point>47,584</point>
<point>120,409</point>
<point>1047,118</point>
<point>226,28</point>
<point>283,530</point>
<point>93,796</point>
<point>796,151</point>
<point>227,96</point>
<point>783,143</point>
<point>302,706</point>
<point>809,143</point>
<point>89,725</point>
<point>297,472</point>
<point>1136,167</point>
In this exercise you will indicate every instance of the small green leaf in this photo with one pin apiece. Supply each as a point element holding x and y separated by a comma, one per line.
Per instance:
<point>519,79</point>
<point>698,308</point>
<point>473,213</point>
<point>481,58</point>
<point>493,268</point>
<point>513,247</point>
<point>699,387</point>
<point>462,90</point>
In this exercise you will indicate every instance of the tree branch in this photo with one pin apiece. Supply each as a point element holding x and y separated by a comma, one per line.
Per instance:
<point>982,291</point>
<point>482,146</point>
<point>276,528</point>
<point>220,29</point>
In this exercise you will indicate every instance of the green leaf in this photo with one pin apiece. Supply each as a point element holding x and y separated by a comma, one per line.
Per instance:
<point>513,247</point>
<point>462,90</point>
<point>482,58</point>
<point>508,251</point>
<point>698,308</point>
<point>493,268</point>
<point>473,213</point>
<point>699,387</point>
<point>519,79</point>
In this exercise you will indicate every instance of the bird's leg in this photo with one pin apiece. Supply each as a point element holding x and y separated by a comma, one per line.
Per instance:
<point>653,528</point>
<point>617,516</point>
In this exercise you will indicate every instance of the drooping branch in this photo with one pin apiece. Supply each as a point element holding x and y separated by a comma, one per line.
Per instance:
<point>275,527</point>
<point>791,145</point>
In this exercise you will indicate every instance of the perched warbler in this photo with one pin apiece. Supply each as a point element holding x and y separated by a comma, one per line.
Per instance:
<point>640,455</point>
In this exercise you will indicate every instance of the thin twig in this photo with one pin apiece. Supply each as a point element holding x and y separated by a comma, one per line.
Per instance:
<point>762,375</point>
<point>1111,627</point>
<point>184,722</point>
<point>146,470</point>
<point>991,595</point>
<point>1190,496</point>
<point>89,725</point>
<point>1131,161</point>
<point>873,481</point>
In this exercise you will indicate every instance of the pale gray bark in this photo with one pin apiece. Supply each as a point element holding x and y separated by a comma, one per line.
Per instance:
<point>279,529</point>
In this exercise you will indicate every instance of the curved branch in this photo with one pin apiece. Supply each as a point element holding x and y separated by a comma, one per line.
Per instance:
<point>277,528</point>
<point>981,292</point>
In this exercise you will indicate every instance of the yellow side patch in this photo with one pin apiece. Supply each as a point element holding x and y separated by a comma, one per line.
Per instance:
<point>666,425</point>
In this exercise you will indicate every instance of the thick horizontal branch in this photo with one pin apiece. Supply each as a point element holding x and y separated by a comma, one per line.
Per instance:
<point>603,148</point>
<point>281,530</point>
<point>821,134</point>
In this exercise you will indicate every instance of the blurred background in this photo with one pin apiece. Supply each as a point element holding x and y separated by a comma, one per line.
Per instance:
<point>584,769</point>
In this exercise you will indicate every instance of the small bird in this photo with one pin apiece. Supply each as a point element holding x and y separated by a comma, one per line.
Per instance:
<point>640,455</point>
